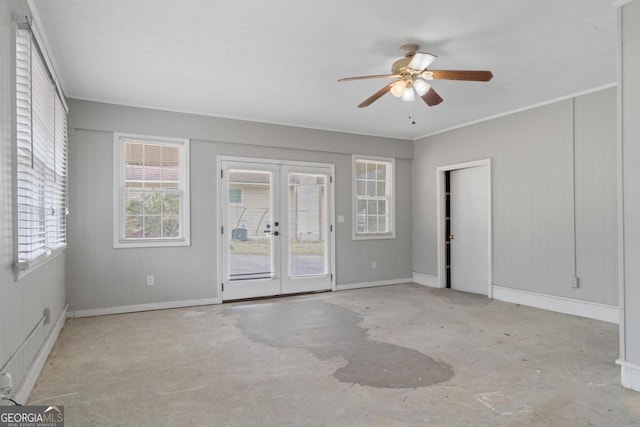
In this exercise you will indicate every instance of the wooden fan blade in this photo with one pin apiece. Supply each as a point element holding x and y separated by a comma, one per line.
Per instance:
<point>476,76</point>
<point>370,100</point>
<point>431,98</point>
<point>377,76</point>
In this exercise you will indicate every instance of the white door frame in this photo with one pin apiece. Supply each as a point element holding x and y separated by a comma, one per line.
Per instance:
<point>440,181</point>
<point>262,161</point>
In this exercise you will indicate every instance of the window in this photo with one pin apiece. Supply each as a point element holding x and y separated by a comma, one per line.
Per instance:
<point>235,196</point>
<point>373,203</point>
<point>151,191</point>
<point>41,157</point>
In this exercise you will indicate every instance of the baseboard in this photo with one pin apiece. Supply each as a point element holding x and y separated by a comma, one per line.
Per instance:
<point>142,307</point>
<point>630,375</point>
<point>591,310</point>
<point>31,375</point>
<point>372,284</point>
<point>426,280</point>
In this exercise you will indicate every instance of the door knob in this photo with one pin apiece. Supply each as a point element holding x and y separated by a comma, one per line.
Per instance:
<point>275,224</point>
<point>275,233</point>
<point>452,236</point>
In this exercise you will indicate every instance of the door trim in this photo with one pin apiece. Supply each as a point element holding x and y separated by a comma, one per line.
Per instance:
<point>441,223</point>
<point>259,161</point>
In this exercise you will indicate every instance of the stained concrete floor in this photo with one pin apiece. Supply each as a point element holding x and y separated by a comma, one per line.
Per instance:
<point>396,355</point>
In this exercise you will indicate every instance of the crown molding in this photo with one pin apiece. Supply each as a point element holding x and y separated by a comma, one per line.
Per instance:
<point>620,3</point>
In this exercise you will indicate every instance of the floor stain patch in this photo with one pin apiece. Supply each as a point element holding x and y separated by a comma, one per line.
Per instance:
<point>328,331</point>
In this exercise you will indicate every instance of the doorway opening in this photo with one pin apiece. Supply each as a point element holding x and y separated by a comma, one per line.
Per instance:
<point>447,233</point>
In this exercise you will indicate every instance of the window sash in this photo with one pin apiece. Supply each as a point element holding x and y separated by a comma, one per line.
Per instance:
<point>148,193</point>
<point>41,156</point>
<point>373,197</point>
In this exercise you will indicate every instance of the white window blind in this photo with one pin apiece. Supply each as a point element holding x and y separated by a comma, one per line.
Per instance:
<point>41,156</point>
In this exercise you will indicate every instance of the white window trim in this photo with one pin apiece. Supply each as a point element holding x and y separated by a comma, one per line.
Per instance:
<point>354,200</point>
<point>118,211</point>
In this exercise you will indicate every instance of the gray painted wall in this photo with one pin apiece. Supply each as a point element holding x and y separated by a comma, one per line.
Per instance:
<point>100,276</point>
<point>21,303</point>
<point>554,171</point>
<point>631,177</point>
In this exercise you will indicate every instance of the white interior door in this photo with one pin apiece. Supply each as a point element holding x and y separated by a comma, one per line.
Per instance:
<point>469,240</point>
<point>276,235</point>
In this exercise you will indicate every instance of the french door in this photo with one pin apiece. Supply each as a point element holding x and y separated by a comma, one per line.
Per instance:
<point>276,228</point>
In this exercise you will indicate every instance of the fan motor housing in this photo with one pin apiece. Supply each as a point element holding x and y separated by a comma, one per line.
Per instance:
<point>400,66</point>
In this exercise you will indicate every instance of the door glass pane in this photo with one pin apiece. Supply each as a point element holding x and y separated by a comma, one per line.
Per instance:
<point>307,224</point>
<point>250,225</point>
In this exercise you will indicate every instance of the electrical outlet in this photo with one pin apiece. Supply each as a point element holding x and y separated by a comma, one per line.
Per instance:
<point>150,280</point>
<point>374,264</point>
<point>575,283</point>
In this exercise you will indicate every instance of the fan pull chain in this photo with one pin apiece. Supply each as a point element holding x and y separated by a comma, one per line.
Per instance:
<point>412,115</point>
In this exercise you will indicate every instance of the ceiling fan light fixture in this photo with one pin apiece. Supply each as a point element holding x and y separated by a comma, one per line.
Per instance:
<point>421,86</point>
<point>409,94</point>
<point>413,79</point>
<point>397,89</point>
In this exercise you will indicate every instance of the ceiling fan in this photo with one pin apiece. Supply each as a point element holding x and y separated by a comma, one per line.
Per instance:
<point>411,74</point>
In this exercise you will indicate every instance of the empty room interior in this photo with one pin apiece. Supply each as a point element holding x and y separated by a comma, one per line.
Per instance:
<point>321,213</point>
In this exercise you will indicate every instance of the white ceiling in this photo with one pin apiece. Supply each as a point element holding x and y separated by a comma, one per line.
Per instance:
<point>278,61</point>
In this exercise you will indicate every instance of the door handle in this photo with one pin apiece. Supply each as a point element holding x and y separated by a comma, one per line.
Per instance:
<point>275,233</point>
<point>452,236</point>
<point>275,224</point>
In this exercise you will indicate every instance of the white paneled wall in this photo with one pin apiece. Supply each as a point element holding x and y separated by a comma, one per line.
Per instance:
<point>554,186</point>
<point>102,277</point>
<point>596,201</point>
<point>533,221</point>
